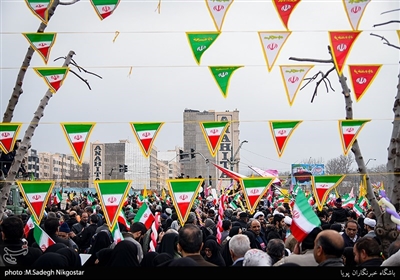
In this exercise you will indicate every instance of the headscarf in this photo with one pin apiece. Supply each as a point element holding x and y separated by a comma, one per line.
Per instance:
<point>74,260</point>
<point>55,247</point>
<point>252,237</point>
<point>148,258</point>
<point>101,241</point>
<point>103,256</point>
<point>216,257</point>
<point>162,259</point>
<point>125,254</point>
<point>51,260</point>
<point>169,243</point>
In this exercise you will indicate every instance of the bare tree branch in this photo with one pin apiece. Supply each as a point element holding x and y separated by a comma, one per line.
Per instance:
<point>69,3</point>
<point>386,41</point>
<point>390,11</point>
<point>84,80</point>
<point>311,60</point>
<point>388,22</point>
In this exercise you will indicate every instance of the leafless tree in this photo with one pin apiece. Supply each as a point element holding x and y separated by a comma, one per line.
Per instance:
<point>340,165</point>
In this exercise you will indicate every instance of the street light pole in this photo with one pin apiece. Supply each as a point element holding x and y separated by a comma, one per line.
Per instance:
<point>369,160</point>
<point>233,160</point>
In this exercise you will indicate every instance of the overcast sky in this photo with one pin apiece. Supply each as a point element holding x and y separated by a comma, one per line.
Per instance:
<point>165,78</point>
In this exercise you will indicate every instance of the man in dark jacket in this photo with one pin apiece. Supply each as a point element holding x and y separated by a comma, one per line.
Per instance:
<point>367,252</point>
<point>339,214</point>
<point>275,230</point>
<point>84,238</point>
<point>14,250</point>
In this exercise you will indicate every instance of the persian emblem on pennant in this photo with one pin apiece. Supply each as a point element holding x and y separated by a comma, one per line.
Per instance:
<point>183,193</point>
<point>341,43</point>
<point>293,76</point>
<point>145,134</point>
<point>285,9</point>
<point>41,43</point>
<point>8,136</point>
<point>281,132</point>
<point>36,194</point>
<point>222,75</point>
<point>272,43</point>
<point>349,130</point>
<point>77,135</point>
<point>218,10</point>
<point>112,194</point>
<point>322,185</point>
<point>361,77</point>
<point>254,189</point>
<point>354,11</point>
<point>40,8</point>
<point>200,42</point>
<point>104,8</point>
<point>214,133</point>
<point>54,77</point>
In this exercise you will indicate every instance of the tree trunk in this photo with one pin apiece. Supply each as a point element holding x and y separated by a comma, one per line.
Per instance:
<point>25,144</point>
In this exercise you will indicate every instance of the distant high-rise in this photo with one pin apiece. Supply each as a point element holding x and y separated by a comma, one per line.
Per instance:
<point>193,138</point>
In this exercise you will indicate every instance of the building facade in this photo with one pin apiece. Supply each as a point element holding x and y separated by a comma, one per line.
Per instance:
<point>201,163</point>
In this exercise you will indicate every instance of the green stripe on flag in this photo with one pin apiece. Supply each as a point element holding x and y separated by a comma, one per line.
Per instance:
<point>112,187</point>
<point>52,71</point>
<point>353,122</point>
<point>288,124</point>
<point>184,186</point>
<point>38,37</point>
<point>105,2</point>
<point>36,187</point>
<point>38,1</point>
<point>256,182</point>
<point>146,126</point>
<point>208,125</point>
<point>77,128</point>
<point>8,127</point>
<point>332,179</point>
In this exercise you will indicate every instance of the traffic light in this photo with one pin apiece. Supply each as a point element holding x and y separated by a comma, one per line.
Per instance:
<point>125,168</point>
<point>192,153</point>
<point>121,168</point>
<point>181,155</point>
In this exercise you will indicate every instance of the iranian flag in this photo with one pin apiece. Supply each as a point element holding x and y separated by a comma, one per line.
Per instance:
<point>122,219</point>
<point>254,190</point>
<point>8,136</point>
<point>54,77</point>
<point>214,133</point>
<point>77,135</point>
<point>183,193</point>
<point>360,206</point>
<point>281,131</point>
<point>89,199</point>
<point>112,194</point>
<point>57,198</point>
<point>39,8</point>
<point>322,185</point>
<point>42,238</point>
<point>117,235</point>
<point>28,226</point>
<point>349,129</point>
<point>145,134</point>
<point>41,42</point>
<point>304,219</point>
<point>144,215</point>
<point>348,201</point>
<point>104,8</point>
<point>231,174</point>
<point>36,194</point>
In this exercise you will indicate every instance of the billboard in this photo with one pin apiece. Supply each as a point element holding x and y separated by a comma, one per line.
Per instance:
<point>302,172</point>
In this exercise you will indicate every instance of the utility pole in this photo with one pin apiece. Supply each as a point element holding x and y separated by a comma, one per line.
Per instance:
<point>233,160</point>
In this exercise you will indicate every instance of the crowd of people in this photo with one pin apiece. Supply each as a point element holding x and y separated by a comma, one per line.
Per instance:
<point>262,238</point>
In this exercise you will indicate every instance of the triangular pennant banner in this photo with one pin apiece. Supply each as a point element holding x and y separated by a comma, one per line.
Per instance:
<point>361,77</point>
<point>354,11</point>
<point>36,194</point>
<point>272,43</point>
<point>281,132</point>
<point>398,34</point>
<point>145,134</point>
<point>254,189</point>
<point>41,43</point>
<point>285,9</point>
<point>231,174</point>
<point>293,76</point>
<point>222,75</point>
<point>341,43</point>
<point>8,136</point>
<point>267,173</point>
<point>104,8</point>
<point>322,185</point>
<point>183,194</point>
<point>349,130</point>
<point>40,8</point>
<point>77,135</point>
<point>112,194</point>
<point>54,77</point>
<point>200,42</point>
<point>218,10</point>
<point>213,134</point>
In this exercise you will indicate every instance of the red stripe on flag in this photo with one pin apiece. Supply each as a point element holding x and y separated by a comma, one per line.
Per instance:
<point>347,139</point>
<point>146,143</point>
<point>78,146</point>
<point>56,85</point>
<point>44,51</point>
<point>214,140</point>
<point>280,141</point>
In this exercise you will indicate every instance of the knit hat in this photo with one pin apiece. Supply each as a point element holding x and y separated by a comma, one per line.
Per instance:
<point>370,222</point>
<point>64,228</point>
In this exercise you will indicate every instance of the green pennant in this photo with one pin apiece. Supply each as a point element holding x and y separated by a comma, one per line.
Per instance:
<point>41,43</point>
<point>54,77</point>
<point>222,75</point>
<point>104,8</point>
<point>40,8</point>
<point>200,42</point>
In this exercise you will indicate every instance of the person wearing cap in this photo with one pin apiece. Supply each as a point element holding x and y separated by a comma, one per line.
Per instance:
<point>369,226</point>
<point>242,221</point>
